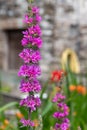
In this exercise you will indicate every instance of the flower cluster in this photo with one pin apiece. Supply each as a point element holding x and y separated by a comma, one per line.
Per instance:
<point>31,102</point>
<point>56,75</point>
<point>59,98</point>
<point>29,55</point>
<point>30,86</point>
<point>27,122</point>
<point>32,36</point>
<point>79,88</point>
<point>62,113</point>
<point>30,70</point>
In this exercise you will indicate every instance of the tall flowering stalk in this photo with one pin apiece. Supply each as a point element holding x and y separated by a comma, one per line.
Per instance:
<point>63,122</point>
<point>30,70</point>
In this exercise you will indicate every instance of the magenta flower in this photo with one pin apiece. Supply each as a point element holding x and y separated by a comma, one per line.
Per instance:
<point>26,55</point>
<point>35,30</point>
<point>38,18</point>
<point>31,56</point>
<point>37,42</point>
<point>30,86</point>
<point>62,113</point>
<point>24,41</point>
<point>36,56</point>
<point>64,126</point>
<point>58,97</point>
<point>31,102</point>
<point>35,10</point>
<point>31,71</point>
<point>28,20</point>
<point>28,39</point>
<point>27,122</point>
<point>57,126</point>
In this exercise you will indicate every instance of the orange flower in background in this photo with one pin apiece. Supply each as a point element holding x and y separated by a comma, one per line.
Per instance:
<point>57,75</point>
<point>2,127</point>
<point>72,88</point>
<point>6,122</point>
<point>81,89</point>
<point>36,123</point>
<point>19,115</point>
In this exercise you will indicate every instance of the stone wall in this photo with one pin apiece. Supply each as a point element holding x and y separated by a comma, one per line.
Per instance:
<point>12,8</point>
<point>3,51</point>
<point>65,28</point>
<point>64,25</point>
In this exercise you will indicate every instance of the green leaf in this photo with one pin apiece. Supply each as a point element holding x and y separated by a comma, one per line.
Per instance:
<point>8,106</point>
<point>47,108</point>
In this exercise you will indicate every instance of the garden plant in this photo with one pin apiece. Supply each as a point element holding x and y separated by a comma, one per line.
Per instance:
<point>65,102</point>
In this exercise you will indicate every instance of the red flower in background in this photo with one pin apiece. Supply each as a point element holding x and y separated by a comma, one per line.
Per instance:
<point>57,75</point>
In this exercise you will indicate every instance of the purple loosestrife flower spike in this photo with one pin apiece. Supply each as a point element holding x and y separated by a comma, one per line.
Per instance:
<point>63,110</point>
<point>30,70</point>
<point>62,113</point>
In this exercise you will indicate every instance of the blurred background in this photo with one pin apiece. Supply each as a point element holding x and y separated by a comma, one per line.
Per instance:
<point>64,28</point>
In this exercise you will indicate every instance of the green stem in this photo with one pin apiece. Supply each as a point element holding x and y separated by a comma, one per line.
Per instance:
<point>29,114</point>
